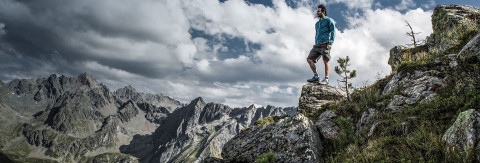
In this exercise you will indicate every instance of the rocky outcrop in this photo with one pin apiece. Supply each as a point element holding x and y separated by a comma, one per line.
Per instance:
<point>313,96</point>
<point>396,56</point>
<point>453,24</point>
<point>463,137</point>
<point>417,87</point>
<point>292,139</point>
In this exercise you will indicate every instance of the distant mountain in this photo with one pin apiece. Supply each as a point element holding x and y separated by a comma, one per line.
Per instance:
<point>77,119</point>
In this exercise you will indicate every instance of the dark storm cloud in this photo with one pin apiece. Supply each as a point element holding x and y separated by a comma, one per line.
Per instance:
<point>80,31</point>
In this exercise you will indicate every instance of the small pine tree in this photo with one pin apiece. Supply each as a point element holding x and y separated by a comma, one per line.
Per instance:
<point>345,73</point>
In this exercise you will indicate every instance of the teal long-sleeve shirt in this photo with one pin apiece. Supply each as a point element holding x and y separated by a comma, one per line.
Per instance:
<point>325,30</point>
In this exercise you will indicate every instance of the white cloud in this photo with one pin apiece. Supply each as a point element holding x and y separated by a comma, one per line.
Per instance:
<point>355,4</point>
<point>405,4</point>
<point>370,38</point>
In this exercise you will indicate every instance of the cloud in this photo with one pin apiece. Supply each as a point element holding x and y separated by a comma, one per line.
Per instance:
<point>370,37</point>
<point>355,4</point>
<point>405,4</point>
<point>150,45</point>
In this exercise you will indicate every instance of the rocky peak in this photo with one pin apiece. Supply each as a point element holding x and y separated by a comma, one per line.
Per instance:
<point>87,79</point>
<point>197,103</point>
<point>130,93</point>
<point>126,91</point>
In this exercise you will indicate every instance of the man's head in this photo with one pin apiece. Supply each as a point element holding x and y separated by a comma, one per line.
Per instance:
<point>321,11</point>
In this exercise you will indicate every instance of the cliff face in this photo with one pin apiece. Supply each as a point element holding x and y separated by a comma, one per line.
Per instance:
<point>76,119</point>
<point>426,109</point>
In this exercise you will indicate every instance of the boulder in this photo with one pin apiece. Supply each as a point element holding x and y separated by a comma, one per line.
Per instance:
<point>463,137</point>
<point>292,139</point>
<point>313,96</point>
<point>327,126</point>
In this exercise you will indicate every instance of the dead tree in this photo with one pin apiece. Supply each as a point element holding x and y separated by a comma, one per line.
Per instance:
<point>412,34</point>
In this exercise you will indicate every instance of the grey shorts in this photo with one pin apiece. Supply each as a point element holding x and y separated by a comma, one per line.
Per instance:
<point>319,50</point>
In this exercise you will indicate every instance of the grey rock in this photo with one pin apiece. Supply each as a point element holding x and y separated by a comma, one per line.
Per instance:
<point>472,48</point>
<point>453,60</point>
<point>367,123</point>
<point>396,103</point>
<point>327,126</point>
<point>292,139</point>
<point>127,111</point>
<point>395,56</point>
<point>463,137</point>
<point>154,114</point>
<point>313,96</point>
<point>417,87</point>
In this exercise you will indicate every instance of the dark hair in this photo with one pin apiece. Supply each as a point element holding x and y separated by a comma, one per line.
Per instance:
<point>324,9</point>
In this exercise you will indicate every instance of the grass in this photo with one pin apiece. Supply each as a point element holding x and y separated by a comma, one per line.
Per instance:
<point>268,157</point>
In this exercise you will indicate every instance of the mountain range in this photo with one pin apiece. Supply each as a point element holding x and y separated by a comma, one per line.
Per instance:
<point>77,119</point>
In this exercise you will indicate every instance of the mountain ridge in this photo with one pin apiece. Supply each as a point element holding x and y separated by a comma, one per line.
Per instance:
<point>70,119</point>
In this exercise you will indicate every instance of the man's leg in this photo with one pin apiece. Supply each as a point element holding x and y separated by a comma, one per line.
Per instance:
<point>324,81</point>
<point>314,70</point>
<point>327,67</point>
<point>312,65</point>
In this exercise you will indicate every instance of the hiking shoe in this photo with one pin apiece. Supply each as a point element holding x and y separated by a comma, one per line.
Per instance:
<point>324,81</point>
<point>313,79</point>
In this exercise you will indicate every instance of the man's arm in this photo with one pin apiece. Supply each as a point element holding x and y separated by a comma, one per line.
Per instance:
<point>331,27</point>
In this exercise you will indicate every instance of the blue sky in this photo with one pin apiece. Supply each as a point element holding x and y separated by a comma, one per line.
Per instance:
<point>236,52</point>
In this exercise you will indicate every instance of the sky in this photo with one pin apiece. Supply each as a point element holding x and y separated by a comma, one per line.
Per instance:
<point>235,52</point>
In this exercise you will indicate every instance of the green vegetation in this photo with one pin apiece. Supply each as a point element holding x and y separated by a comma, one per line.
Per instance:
<point>268,157</point>
<point>268,120</point>
<point>345,74</point>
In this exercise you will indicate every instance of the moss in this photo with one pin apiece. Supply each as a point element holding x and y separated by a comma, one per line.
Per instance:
<point>268,120</point>
<point>268,157</point>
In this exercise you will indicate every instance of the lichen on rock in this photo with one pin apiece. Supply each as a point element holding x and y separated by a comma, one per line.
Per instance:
<point>463,137</point>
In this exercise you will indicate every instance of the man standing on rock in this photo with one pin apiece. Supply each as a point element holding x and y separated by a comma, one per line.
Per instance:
<point>324,37</point>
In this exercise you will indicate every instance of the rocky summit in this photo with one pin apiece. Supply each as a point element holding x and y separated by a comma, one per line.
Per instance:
<point>426,110</point>
<point>77,119</point>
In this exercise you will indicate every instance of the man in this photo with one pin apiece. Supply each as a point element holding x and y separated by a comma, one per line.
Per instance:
<point>324,37</point>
